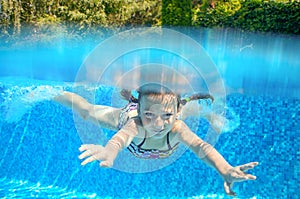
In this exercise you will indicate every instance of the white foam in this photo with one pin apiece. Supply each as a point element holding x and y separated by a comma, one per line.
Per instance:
<point>20,100</point>
<point>222,118</point>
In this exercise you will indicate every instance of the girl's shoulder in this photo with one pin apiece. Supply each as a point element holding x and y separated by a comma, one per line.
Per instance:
<point>179,127</point>
<point>138,125</point>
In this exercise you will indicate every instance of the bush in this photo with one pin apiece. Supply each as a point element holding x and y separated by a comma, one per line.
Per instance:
<point>251,15</point>
<point>84,17</point>
<point>177,13</point>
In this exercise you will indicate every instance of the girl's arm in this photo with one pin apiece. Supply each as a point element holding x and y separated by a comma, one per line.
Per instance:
<point>108,154</point>
<point>213,158</point>
<point>106,116</point>
<point>203,150</point>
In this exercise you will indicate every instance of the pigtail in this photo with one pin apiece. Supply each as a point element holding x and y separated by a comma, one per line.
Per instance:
<point>197,96</point>
<point>126,94</point>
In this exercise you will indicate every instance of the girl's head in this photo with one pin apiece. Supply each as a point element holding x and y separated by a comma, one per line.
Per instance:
<point>158,108</point>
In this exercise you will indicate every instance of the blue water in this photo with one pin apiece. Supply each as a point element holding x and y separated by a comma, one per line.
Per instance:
<point>40,140</point>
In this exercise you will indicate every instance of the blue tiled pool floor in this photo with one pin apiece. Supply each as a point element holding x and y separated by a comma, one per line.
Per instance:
<point>40,157</point>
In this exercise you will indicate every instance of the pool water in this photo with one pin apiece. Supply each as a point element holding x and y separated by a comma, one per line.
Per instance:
<point>39,137</point>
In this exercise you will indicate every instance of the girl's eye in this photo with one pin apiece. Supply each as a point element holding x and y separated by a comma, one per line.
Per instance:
<point>167,116</point>
<point>149,115</point>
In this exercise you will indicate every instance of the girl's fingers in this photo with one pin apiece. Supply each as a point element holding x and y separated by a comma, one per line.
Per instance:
<point>248,166</point>
<point>91,152</point>
<point>106,164</point>
<point>85,154</point>
<point>88,160</point>
<point>251,177</point>
<point>228,189</point>
<point>85,147</point>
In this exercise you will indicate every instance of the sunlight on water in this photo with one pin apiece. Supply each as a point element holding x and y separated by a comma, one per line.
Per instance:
<point>10,188</point>
<point>215,196</point>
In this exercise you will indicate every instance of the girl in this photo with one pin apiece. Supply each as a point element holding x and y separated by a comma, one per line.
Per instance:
<point>149,127</point>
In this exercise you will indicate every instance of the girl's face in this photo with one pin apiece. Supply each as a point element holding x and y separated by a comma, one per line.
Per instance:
<point>158,114</point>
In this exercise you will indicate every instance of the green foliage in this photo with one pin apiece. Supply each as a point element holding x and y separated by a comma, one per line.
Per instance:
<point>10,16</point>
<point>84,17</point>
<point>81,17</point>
<point>251,15</point>
<point>269,16</point>
<point>176,12</point>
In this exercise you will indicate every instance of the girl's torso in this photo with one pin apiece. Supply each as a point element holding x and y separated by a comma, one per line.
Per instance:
<point>153,148</point>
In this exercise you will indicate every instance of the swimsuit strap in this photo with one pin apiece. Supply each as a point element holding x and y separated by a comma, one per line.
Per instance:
<point>168,141</point>
<point>141,144</point>
<point>139,152</point>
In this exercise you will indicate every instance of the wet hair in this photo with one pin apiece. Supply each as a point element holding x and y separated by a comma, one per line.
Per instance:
<point>126,94</point>
<point>158,90</point>
<point>197,96</point>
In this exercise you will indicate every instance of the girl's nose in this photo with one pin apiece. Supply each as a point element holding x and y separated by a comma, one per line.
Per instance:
<point>159,123</point>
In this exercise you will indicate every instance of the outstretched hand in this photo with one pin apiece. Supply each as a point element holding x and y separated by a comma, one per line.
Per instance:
<point>237,174</point>
<point>93,153</point>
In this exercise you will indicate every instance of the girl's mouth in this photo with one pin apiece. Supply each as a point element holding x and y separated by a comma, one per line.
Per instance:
<point>158,131</point>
